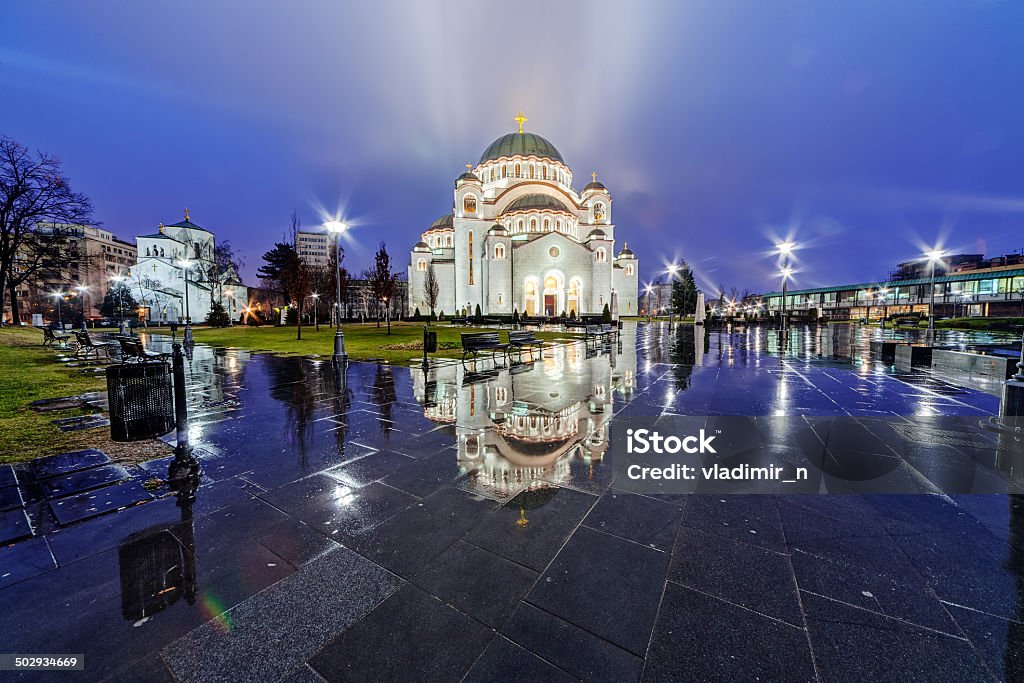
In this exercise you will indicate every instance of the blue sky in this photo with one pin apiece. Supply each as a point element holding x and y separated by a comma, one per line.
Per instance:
<point>865,131</point>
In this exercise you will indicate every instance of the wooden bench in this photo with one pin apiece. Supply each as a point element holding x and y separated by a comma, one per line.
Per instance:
<point>458,321</point>
<point>475,342</point>
<point>523,340</point>
<point>51,338</point>
<point>87,346</point>
<point>602,331</point>
<point>133,350</point>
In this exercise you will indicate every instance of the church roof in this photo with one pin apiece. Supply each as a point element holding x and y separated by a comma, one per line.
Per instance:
<point>540,202</point>
<point>626,251</point>
<point>421,245</point>
<point>595,185</point>
<point>159,236</point>
<point>445,221</point>
<point>497,229</point>
<point>597,233</point>
<point>521,144</point>
<point>186,224</point>
<point>467,176</point>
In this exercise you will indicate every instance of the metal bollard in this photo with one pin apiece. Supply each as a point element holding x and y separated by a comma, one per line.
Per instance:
<point>184,467</point>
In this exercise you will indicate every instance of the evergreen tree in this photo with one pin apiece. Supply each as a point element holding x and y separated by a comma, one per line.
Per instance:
<point>606,314</point>
<point>119,294</point>
<point>218,316</point>
<point>684,291</point>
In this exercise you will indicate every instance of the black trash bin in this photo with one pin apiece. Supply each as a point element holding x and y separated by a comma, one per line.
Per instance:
<point>141,400</point>
<point>429,341</point>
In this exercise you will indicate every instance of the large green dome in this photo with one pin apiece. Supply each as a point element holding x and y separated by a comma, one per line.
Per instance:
<point>521,144</point>
<point>536,202</point>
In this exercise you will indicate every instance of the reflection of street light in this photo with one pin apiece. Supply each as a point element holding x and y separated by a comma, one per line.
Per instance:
<point>337,228</point>
<point>933,256</point>
<point>186,265</point>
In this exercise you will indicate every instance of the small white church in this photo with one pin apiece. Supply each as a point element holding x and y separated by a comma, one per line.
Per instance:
<point>521,238</point>
<point>176,253</point>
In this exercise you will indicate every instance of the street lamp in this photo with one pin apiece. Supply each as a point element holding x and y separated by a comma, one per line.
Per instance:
<point>58,296</point>
<point>882,294</point>
<point>186,265</point>
<point>672,270</point>
<point>785,251</point>
<point>316,314</point>
<point>82,291</point>
<point>933,256</point>
<point>120,279</point>
<point>337,228</point>
<point>647,290</point>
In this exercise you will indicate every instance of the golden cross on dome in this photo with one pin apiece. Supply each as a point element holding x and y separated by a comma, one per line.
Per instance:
<point>594,176</point>
<point>520,119</point>
<point>469,167</point>
<point>186,214</point>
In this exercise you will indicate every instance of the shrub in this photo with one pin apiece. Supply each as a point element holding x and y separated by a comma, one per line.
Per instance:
<point>515,316</point>
<point>218,317</point>
<point>606,314</point>
<point>476,312</point>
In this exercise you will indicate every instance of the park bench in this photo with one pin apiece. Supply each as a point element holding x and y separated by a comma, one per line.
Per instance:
<point>51,338</point>
<point>475,342</point>
<point>132,350</point>
<point>491,321</point>
<point>88,346</point>
<point>458,321</point>
<point>603,332</point>
<point>523,340</point>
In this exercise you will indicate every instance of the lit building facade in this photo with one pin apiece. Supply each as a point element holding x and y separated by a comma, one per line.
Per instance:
<point>314,248</point>
<point>521,238</point>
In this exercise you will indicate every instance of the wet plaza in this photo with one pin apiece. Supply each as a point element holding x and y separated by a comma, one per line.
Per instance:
<point>475,522</point>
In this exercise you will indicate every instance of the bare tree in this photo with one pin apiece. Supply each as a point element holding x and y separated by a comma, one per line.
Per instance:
<point>33,191</point>
<point>382,282</point>
<point>431,290</point>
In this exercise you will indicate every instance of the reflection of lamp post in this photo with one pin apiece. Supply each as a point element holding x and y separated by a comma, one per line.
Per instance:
<point>185,266</point>
<point>58,296</point>
<point>82,291</point>
<point>933,257</point>
<point>337,228</point>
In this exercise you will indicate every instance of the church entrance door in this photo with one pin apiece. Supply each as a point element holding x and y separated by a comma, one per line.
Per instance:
<point>549,305</point>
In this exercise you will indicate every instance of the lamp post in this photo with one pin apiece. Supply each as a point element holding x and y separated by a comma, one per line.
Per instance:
<point>82,291</point>
<point>785,250</point>
<point>881,294</point>
<point>186,265</point>
<point>933,256</point>
<point>316,313</point>
<point>337,228</point>
<point>672,270</point>
<point>648,289</point>
<point>58,296</point>
<point>120,279</point>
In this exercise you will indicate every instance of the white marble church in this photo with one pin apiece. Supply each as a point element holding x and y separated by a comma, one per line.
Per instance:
<point>157,279</point>
<point>521,238</point>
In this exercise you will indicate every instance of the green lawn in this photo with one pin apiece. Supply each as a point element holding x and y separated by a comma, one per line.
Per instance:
<point>29,372</point>
<point>362,341</point>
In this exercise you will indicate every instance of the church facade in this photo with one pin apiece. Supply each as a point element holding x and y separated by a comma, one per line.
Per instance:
<point>177,275</point>
<point>521,238</point>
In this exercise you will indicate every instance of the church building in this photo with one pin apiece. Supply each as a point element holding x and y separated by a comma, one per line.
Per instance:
<point>521,238</point>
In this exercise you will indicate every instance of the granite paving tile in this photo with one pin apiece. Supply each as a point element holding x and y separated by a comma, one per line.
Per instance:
<point>93,503</point>
<point>24,560</point>
<point>303,612</point>
<point>65,463</point>
<point>606,585</point>
<point>14,525</point>
<point>999,642</point>
<point>504,660</point>
<point>647,521</point>
<point>411,636</point>
<point>83,480</point>
<point>10,498</point>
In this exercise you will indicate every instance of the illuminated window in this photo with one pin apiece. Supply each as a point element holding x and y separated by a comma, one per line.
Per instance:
<point>492,174</point>
<point>601,255</point>
<point>520,225</point>
<point>544,173</point>
<point>499,251</point>
<point>421,264</point>
<point>469,203</point>
<point>470,257</point>
<point>533,225</point>
<point>531,170</point>
<point>517,171</point>
<point>629,269</point>
<point>599,211</point>
<point>448,241</point>
<point>558,226</point>
<point>547,225</point>
<point>504,171</point>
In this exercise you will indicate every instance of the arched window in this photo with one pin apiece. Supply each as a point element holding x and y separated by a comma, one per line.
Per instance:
<point>448,241</point>
<point>599,211</point>
<point>629,269</point>
<point>499,251</point>
<point>533,225</point>
<point>558,225</point>
<point>196,248</point>
<point>531,170</point>
<point>520,225</point>
<point>421,264</point>
<point>600,255</point>
<point>544,173</point>
<point>469,203</point>
<point>517,171</point>
<point>504,171</point>
<point>470,257</point>
<point>492,174</point>
<point>547,225</point>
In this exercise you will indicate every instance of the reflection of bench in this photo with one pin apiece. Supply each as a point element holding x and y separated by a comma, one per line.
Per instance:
<point>133,350</point>
<point>521,340</point>
<point>87,346</point>
<point>51,338</point>
<point>475,342</point>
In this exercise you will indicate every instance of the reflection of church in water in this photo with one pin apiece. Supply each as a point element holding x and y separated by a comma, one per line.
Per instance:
<point>531,421</point>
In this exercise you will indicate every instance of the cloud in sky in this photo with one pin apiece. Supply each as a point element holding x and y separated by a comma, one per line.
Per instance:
<point>861,128</point>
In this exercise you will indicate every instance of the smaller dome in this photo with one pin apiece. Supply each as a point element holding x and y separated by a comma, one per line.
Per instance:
<point>597,234</point>
<point>421,245</point>
<point>497,229</point>
<point>625,251</point>
<point>536,202</point>
<point>595,185</point>
<point>467,177</point>
<point>445,221</point>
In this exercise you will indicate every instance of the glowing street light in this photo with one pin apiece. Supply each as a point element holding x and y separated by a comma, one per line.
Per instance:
<point>315,296</point>
<point>120,280</point>
<point>82,291</point>
<point>337,228</point>
<point>933,256</point>
<point>785,250</point>
<point>59,296</point>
